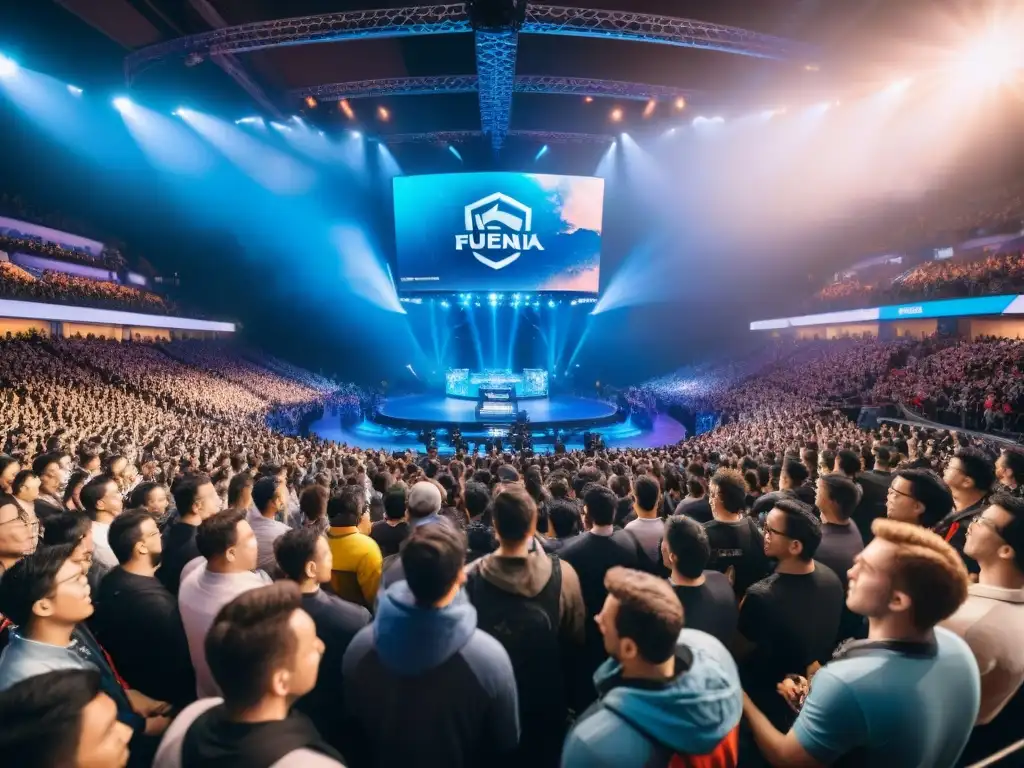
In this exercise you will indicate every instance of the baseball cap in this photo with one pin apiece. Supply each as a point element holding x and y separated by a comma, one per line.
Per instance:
<point>424,499</point>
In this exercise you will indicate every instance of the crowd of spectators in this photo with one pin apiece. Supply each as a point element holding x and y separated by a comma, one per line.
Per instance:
<point>64,288</point>
<point>982,275</point>
<point>183,585</point>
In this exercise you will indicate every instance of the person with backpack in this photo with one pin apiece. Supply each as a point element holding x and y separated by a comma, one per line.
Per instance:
<point>668,696</point>
<point>531,603</point>
<point>737,547</point>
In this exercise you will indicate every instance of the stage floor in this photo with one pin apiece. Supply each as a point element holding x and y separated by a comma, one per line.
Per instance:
<point>556,409</point>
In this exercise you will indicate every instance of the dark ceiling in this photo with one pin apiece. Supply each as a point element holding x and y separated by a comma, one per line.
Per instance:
<point>861,41</point>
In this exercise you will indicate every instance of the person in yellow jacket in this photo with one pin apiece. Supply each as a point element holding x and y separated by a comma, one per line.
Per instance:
<point>355,574</point>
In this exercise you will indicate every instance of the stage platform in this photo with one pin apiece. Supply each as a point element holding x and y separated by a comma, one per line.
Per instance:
<point>563,411</point>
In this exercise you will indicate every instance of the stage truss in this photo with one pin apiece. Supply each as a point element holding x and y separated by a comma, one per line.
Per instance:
<point>495,51</point>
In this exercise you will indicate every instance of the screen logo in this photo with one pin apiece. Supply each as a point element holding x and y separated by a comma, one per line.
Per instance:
<point>498,226</point>
<point>918,310</point>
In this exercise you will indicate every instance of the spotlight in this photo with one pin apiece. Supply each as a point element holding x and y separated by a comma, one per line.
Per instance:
<point>74,90</point>
<point>7,67</point>
<point>383,114</point>
<point>572,303</point>
<point>122,104</point>
<point>649,109</point>
<point>249,120</point>
<point>616,115</point>
<point>311,102</point>
<point>811,67</point>
<point>516,296</point>
<point>455,152</point>
<point>180,112</point>
<point>588,99</point>
<point>444,304</point>
<point>551,304</point>
<point>543,151</point>
<point>356,135</point>
<point>492,297</point>
<point>680,104</point>
<point>279,126</point>
<point>346,109</point>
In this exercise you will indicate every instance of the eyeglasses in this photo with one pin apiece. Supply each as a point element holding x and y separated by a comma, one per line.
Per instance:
<point>986,522</point>
<point>892,489</point>
<point>24,519</point>
<point>773,531</point>
<point>79,577</point>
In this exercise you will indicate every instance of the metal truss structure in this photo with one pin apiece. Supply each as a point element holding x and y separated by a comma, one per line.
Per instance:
<point>389,86</point>
<point>496,72</point>
<point>495,51</point>
<point>458,137</point>
<point>425,86</point>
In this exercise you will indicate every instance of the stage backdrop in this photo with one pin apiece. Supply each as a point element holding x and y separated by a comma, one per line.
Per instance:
<point>498,232</point>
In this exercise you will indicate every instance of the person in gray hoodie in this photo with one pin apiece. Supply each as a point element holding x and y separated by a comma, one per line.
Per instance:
<point>422,683</point>
<point>665,693</point>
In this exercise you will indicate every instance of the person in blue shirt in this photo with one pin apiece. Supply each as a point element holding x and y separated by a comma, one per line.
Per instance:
<point>909,694</point>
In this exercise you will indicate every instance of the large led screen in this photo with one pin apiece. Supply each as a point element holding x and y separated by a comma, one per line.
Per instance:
<point>498,232</point>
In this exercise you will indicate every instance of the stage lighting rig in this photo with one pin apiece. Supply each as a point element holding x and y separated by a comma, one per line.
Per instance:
<point>194,59</point>
<point>496,15</point>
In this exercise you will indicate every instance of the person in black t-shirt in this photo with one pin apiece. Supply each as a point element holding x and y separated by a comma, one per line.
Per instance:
<point>970,475</point>
<point>708,601</point>
<point>390,532</point>
<point>788,620</point>
<point>304,557</point>
<point>196,499</point>
<point>592,554</point>
<point>737,549</point>
<point>696,504</point>
<point>841,541</point>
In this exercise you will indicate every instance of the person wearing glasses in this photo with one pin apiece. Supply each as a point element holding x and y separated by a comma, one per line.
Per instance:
<point>919,497</point>
<point>789,620</point>
<point>19,532</point>
<point>970,475</point>
<point>991,621</point>
<point>47,596</point>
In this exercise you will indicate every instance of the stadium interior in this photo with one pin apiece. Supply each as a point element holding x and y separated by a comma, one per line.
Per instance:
<point>528,293</point>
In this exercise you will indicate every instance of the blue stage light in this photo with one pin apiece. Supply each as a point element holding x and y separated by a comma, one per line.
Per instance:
<point>551,303</point>
<point>7,66</point>
<point>516,296</point>
<point>543,151</point>
<point>355,134</point>
<point>444,304</point>
<point>74,90</point>
<point>455,152</point>
<point>492,296</point>
<point>122,104</point>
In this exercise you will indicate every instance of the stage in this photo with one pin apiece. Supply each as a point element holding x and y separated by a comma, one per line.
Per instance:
<point>563,411</point>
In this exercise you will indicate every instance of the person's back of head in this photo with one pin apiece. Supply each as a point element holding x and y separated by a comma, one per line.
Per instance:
<point>883,458</point>
<point>644,615</point>
<point>61,718</point>
<point>687,544</point>
<point>477,499</point>
<point>564,517</point>
<point>217,535</point>
<point>514,514</point>
<point>728,491</point>
<point>694,486</point>
<point>263,645</point>
<point>238,486</point>
<point>843,493</point>
<point>433,558</point>
<point>313,502</point>
<point>586,475</point>
<point>558,487</point>
<point>848,462</point>
<point>620,485</point>
<point>795,472</point>
<point>909,562</point>
<point>394,503</point>
<point>599,504</point>
<point>346,506</point>
<point>647,491</point>
<point>424,500</point>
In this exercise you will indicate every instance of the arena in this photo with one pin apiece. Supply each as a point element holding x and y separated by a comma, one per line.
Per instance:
<point>647,391</point>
